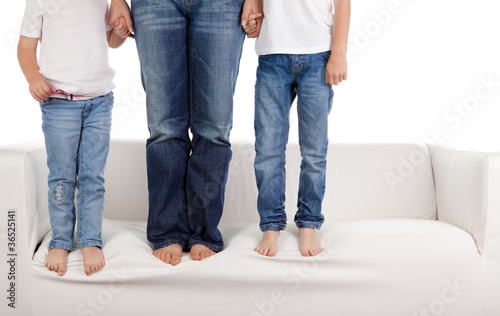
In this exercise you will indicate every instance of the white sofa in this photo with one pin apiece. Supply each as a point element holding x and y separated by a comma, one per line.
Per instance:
<point>409,231</point>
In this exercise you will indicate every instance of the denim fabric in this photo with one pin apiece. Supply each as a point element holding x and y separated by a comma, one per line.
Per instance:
<point>77,142</point>
<point>281,78</point>
<point>189,53</point>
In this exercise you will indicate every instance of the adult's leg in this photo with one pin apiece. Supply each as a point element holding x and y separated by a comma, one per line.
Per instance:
<point>215,43</point>
<point>161,37</point>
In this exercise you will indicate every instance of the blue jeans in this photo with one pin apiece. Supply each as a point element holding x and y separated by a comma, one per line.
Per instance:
<point>189,53</point>
<point>77,137</point>
<point>280,78</point>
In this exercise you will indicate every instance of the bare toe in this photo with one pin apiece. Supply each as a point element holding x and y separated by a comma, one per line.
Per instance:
<point>56,260</point>
<point>308,244</point>
<point>170,254</point>
<point>269,243</point>
<point>200,252</point>
<point>93,259</point>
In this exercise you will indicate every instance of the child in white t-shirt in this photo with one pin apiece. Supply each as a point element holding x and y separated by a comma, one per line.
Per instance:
<point>72,81</point>
<point>299,56</point>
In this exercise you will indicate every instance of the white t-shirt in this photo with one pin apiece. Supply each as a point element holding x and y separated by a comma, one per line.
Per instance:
<point>296,27</point>
<point>73,46</point>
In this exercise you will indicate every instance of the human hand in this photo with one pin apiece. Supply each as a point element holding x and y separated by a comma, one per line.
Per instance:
<point>252,7</point>
<point>121,29</point>
<point>117,9</point>
<point>41,89</point>
<point>336,69</point>
<point>251,26</point>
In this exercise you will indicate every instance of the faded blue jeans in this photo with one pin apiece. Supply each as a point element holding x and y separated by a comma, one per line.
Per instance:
<point>77,135</point>
<point>189,53</point>
<point>280,79</point>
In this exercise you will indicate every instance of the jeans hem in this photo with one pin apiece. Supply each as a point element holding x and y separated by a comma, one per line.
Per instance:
<point>86,244</point>
<point>272,226</point>
<point>60,245</point>
<point>215,248</point>
<point>314,225</point>
<point>168,243</point>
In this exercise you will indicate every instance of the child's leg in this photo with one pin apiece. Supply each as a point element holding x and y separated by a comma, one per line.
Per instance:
<point>274,94</point>
<point>61,126</point>
<point>92,155</point>
<point>314,104</point>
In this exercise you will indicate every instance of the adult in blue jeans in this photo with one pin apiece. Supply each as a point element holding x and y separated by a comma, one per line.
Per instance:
<point>189,53</point>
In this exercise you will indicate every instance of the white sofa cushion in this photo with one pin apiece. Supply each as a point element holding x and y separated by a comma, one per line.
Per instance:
<point>409,265</point>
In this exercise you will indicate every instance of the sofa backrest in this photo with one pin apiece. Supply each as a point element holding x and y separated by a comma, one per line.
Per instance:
<point>363,181</point>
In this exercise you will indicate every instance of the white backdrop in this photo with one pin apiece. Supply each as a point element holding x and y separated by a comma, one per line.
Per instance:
<point>419,70</point>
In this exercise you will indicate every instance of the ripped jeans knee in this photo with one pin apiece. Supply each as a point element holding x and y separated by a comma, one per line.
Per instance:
<point>60,192</point>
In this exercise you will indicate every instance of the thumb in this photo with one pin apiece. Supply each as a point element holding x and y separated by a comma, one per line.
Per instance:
<point>129,23</point>
<point>244,15</point>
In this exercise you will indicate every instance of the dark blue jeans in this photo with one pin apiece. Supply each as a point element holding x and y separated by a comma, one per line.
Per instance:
<point>281,78</point>
<point>189,53</point>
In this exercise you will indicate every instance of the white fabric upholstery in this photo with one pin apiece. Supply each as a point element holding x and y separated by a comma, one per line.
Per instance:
<point>384,254</point>
<point>468,196</point>
<point>367,268</point>
<point>350,174</point>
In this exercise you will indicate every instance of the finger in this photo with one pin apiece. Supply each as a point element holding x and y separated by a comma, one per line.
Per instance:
<point>251,30</point>
<point>245,14</point>
<point>37,94</point>
<point>128,22</point>
<point>43,94</point>
<point>254,16</point>
<point>35,97</point>
<point>249,27</point>
<point>336,80</point>
<point>52,90</point>
<point>46,90</point>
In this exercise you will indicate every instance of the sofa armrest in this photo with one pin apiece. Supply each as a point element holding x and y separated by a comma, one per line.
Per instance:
<point>468,194</point>
<point>24,222</point>
<point>23,193</point>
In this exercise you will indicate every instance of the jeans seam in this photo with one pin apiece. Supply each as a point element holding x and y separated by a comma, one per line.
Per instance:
<point>309,224</point>
<point>60,245</point>
<point>283,152</point>
<point>302,63</point>
<point>301,141</point>
<point>86,244</point>
<point>270,226</point>
<point>82,192</point>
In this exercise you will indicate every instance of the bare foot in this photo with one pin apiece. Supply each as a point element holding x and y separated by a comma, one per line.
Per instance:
<point>269,243</point>
<point>170,254</point>
<point>93,259</point>
<point>56,260</point>
<point>308,244</point>
<point>200,252</point>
